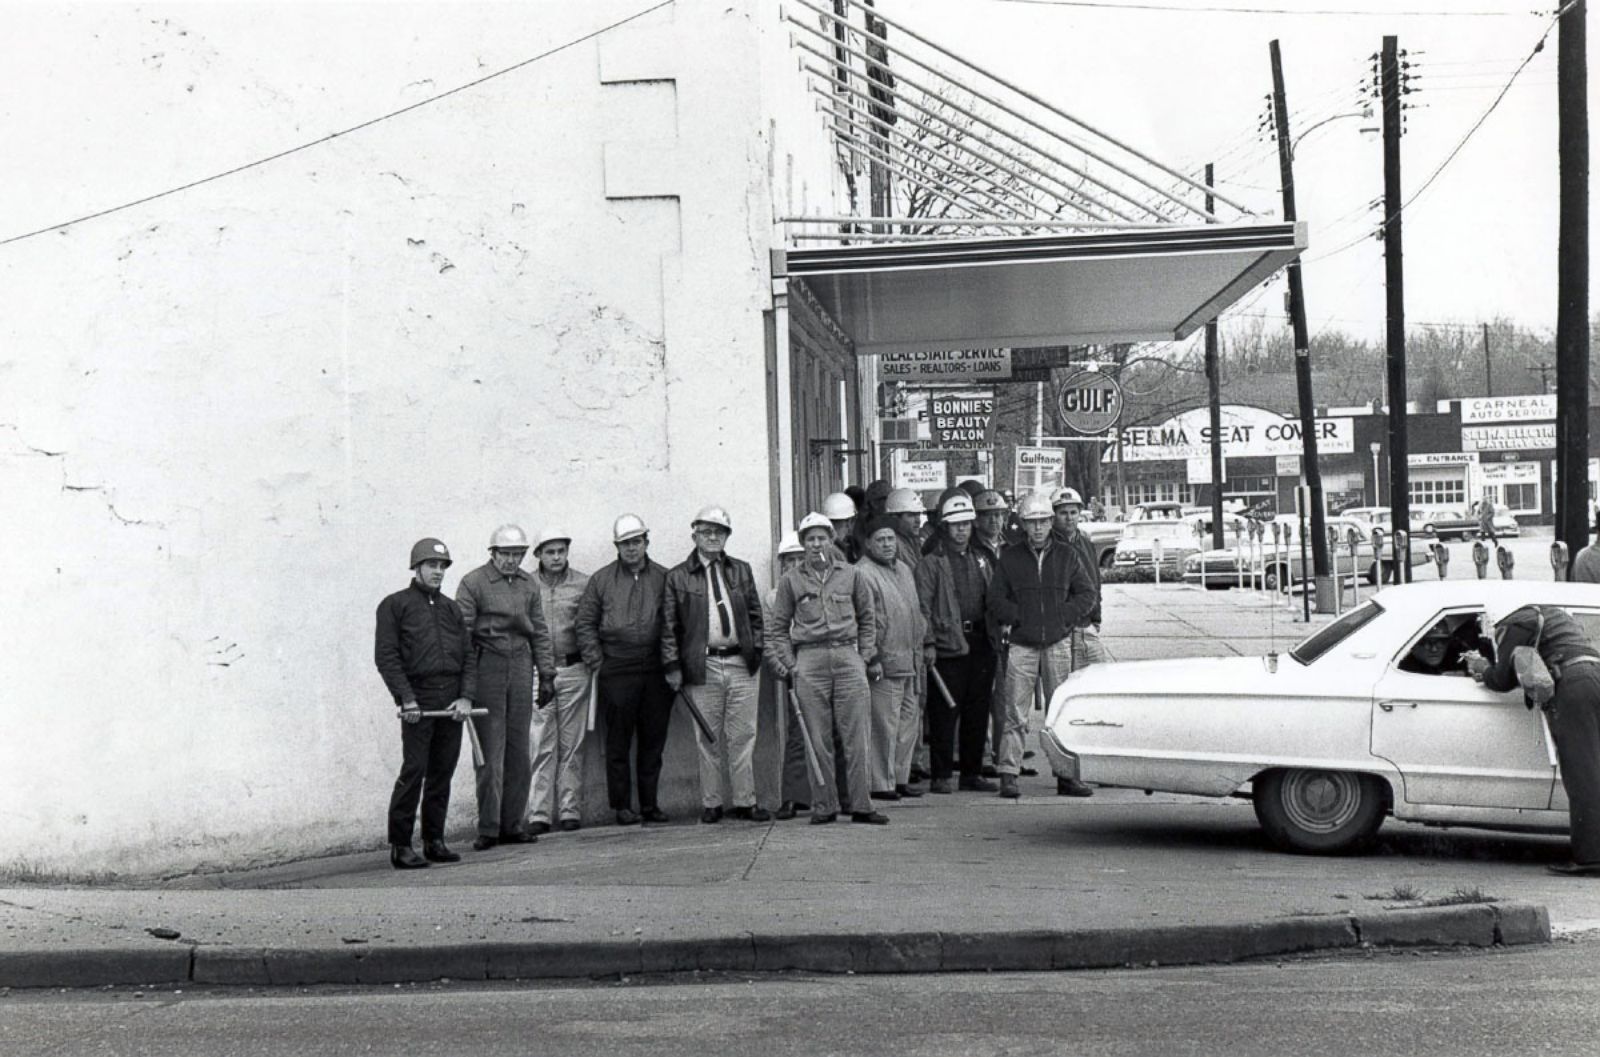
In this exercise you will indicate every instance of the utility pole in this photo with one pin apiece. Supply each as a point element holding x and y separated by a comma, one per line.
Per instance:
<point>1394,284</point>
<point>1543,369</point>
<point>1214,395</point>
<point>1488,371</point>
<point>1302,348</point>
<point>1572,283</point>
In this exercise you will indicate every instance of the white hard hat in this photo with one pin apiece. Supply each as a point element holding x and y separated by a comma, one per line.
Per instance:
<point>839,507</point>
<point>713,515</point>
<point>508,537</point>
<point>903,501</point>
<point>790,544</point>
<point>1034,507</point>
<point>957,510</point>
<point>627,527</point>
<point>550,534</point>
<point>1067,496</point>
<point>811,521</point>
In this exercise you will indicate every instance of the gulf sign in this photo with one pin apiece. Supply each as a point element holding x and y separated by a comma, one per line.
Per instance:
<point>1089,402</point>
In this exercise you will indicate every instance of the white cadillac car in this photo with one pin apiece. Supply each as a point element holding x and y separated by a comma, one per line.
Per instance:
<point>1332,735</point>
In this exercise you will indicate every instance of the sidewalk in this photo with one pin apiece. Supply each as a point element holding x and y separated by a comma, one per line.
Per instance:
<point>967,881</point>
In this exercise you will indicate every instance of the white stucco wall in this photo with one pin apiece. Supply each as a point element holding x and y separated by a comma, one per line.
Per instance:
<point>225,415</point>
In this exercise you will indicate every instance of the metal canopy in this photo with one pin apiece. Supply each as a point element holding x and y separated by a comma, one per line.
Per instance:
<point>1058,289</point>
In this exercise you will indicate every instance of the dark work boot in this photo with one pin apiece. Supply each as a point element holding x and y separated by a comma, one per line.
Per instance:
<point>405,857</point>
<point>438,851</point>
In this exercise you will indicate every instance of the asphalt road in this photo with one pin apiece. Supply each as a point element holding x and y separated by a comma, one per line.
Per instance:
<point>1378,1004</point>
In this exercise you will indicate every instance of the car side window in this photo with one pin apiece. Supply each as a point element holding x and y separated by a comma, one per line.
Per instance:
<point>1440,646</point>
<point>1589,621</point>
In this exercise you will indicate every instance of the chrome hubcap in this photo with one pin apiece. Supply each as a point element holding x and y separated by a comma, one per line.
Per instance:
<point>1321,801</point>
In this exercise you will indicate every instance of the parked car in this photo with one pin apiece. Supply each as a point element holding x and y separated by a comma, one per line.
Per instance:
<point>1380,516</point>
<point>1281,563</point>
<point>1104,535</point>
<point>1444,523</point>
<point>1176,536</point>
<point>1331,737</point>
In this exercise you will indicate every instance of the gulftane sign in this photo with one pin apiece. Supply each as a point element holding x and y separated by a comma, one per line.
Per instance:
<point>1090,402</point>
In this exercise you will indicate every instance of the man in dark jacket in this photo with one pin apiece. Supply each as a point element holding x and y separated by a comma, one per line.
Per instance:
<point>953,585</point>
<point>510,641</point>
<point>1573,714</point>
<point>421,651</point>
<point>1038,595</point>
<point>711,648</point>
<point>619,635</point>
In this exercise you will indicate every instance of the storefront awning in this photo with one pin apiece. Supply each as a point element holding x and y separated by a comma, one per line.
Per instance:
<point>1158,284</point>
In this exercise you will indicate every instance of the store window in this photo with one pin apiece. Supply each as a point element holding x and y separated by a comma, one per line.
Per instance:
<point>1521,498</point>
<point>1438,491</point>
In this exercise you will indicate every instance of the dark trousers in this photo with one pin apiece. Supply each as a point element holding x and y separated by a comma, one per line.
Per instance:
<point>505,688</point>
<point>634,703</point>
<point>960,732</point>
<point>794,784</point>
<point>429,749</point>
<point>1575,726</point>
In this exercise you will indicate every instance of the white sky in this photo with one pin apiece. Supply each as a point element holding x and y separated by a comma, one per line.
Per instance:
<point>1187,85</point>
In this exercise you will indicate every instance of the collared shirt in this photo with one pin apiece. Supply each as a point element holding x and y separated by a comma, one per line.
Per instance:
<point>827,605</point>
<point>719,608</point>
<point>559,599</point>
<point>505,615</point>
<point>420,636</point>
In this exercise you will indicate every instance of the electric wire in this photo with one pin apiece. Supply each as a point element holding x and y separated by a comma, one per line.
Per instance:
<point>342,132</point>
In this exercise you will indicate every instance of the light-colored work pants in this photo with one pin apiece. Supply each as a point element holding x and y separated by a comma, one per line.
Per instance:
<point>1026,666</point>
<point>558,730</point>
<point>1087,648</point>
<point>890,707</point>
<point>831,682</point>
<point>728,699</point>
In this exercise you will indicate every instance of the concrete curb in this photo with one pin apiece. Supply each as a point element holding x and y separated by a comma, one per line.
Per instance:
<point>1474,925</point>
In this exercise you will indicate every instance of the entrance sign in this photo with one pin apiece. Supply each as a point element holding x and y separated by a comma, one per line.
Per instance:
<point>1040,469</point>
<point>946,365</point>
<point>1089,402</point>
<point>962,422</point>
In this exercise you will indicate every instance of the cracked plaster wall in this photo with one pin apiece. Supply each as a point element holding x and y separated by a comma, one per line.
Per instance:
<point>225,416</point>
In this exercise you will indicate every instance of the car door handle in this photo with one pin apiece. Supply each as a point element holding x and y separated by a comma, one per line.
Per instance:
<point>1390,706</point>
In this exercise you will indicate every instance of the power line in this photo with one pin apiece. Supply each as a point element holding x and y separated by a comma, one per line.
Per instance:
<point>1232,10</point>
<point>1456,150</point>
<point>342,132</point>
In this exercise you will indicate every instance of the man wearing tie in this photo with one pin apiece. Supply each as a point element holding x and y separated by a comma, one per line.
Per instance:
<point>711,650</point>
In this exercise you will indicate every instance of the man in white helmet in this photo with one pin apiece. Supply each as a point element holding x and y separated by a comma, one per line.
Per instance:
<point>901,635</point>
<point>509,642</point>
<point>841,510</point>
<point>559,725</point>
<point>824,639</point>
<point>953,585</point>
<point>619,635</point>
<point>1040,591</point>
<point>794,787</point>
<point>711,648</point>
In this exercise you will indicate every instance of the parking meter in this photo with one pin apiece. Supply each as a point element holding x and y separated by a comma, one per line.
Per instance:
<point>1378,536</point>
<point>1506,560</point>
<point>1352,539</point>
<point>1441,559</point>
<point>1480,558</point>
<point>1155,556</point>
<point>1558,559</point>
<point>1402,556</point>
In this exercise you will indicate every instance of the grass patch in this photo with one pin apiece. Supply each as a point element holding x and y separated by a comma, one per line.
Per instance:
<point>1402,893</point>
<point>1462,897</point>
<point>25,873</point>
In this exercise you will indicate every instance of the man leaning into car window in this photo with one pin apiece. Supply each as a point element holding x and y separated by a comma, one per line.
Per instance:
<point>1573,714</point>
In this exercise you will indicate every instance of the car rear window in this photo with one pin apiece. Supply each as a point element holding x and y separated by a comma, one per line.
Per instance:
<point>1329,637</point>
